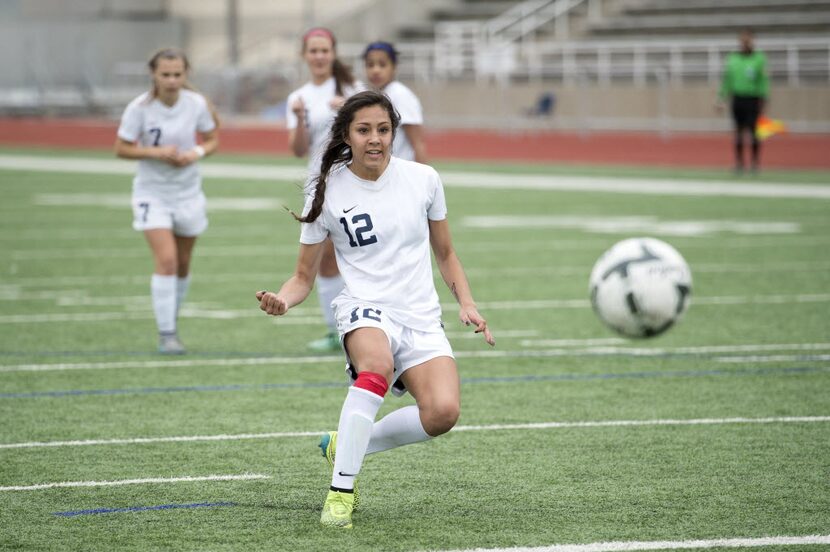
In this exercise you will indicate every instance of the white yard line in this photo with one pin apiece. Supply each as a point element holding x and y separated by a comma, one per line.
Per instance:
<point>568,350</point>
<point>773,358</point>
<point>297,319</point>
<point>116,483</point>
<point>492,427</point>
<point>633,546</point>
<point>696,350</point>
<point>451,178</point>
<point>10,289</point>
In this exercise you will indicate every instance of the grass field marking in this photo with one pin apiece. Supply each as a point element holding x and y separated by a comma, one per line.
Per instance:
<point>633,546</point>
<point>632,225</point>
<point>585,271</point>
<point>10,290</point>
<point>183,363</point>
<point>702,349</point>
<point>492,427</point>
<point>774,358</point>
<point>505,333</point>
<point>152,440</point>
<point>122,201</point>
<point>477,180</point>
<point>131,252</point>
<point>186,479</point>
<point>75,513</point>
<point>533,304</point>
<point>639,423</point>
<point>317,359</point>
<point>202,310</point>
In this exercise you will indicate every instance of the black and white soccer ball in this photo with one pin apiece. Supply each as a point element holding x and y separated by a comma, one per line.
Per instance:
<point>640,287</point>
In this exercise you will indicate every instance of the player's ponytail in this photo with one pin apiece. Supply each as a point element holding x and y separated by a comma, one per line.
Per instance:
<point>338,153</point>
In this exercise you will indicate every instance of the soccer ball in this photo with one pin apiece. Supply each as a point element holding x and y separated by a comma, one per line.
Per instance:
<point>640,287</point>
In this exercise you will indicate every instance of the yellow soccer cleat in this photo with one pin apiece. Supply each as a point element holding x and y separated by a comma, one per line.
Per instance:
<point>337,510</point>
<point>328,448</point>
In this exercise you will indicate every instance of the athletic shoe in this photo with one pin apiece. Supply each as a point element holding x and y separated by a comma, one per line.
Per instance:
<point>169,344</point>
<point>337,510</point>
<point>328,448</point>
<point>328,344</point>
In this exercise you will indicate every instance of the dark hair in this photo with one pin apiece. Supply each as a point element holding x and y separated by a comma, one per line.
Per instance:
<point>342,73</point>
<point>337,151</point>
<point>384,47</point>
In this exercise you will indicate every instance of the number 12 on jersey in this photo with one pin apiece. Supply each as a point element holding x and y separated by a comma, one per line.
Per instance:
<point>362,226</point>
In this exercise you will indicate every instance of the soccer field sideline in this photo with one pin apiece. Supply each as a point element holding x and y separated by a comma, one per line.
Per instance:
<point>450,178</point>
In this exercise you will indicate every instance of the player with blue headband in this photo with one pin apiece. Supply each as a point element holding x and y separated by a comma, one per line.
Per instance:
<point>381,60</point>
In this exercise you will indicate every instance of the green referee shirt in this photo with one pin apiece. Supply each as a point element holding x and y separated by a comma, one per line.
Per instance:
<point>745,75</point>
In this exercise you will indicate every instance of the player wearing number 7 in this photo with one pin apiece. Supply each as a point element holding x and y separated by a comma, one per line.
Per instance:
<point>159,128</point>
<point>382,213</point>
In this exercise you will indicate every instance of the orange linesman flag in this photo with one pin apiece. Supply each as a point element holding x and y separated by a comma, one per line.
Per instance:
<point>767,127</point>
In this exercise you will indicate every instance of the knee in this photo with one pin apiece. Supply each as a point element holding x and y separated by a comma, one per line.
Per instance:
<point>378,367</point>
<point>440,417</point>
<point>166,265</point>
<point>183,265</point>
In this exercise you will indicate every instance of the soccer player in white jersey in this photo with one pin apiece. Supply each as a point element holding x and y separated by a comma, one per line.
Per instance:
<point>382,214</point>
<point>381,61</point>
<point>159,128</point>
<point>311,110</point>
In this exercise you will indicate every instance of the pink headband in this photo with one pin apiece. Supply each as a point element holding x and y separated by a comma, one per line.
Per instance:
<point>318,31</point>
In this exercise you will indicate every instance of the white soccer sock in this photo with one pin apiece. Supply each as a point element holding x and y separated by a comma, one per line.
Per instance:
<point>398,428</point>
<point>163,292</point>
<point>353,433</point>
<point>182,285</point>
<point>327,289</point>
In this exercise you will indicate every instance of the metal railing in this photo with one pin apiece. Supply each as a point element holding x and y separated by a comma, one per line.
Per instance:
<point>791,60</point>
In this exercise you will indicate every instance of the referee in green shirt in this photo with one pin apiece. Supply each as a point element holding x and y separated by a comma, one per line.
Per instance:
<point>746,82</point>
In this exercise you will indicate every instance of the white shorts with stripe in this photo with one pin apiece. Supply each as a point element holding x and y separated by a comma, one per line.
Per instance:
<point>410,347</point>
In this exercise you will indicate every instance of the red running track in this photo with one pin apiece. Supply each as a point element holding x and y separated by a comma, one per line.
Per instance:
<point>713,150</point>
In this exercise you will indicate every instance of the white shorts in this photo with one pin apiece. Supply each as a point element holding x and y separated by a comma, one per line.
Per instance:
<point>186,218</point>
<point>410,347</point>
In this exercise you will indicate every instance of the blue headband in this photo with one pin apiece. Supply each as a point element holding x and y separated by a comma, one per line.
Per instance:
<point>385,47</point>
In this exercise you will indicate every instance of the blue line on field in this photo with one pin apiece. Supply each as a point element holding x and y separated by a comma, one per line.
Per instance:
<point>465,381</point>
<point>73,513</point>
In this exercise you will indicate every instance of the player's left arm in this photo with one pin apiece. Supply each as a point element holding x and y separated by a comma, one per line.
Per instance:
<point>209,144</point>
<point>453,274</point>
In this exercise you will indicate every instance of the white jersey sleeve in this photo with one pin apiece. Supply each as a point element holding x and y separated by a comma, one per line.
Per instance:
<point>205,121</point>
<point>132,120</point>
<point>406,103</point>
<point>312,232</point>
<point>438,208</point>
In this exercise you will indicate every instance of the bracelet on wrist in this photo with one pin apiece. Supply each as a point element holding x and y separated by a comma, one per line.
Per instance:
<point>200,151</point>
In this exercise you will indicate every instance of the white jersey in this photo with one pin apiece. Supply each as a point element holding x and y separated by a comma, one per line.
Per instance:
<point>380,233</point>
<point>149,122</point>
<point>408,106</point>
<point>319,115</point>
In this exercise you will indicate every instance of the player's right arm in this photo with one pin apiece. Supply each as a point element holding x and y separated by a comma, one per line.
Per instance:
<point>132,150</point>
<point>298,286</point>
<point>298,137</point>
